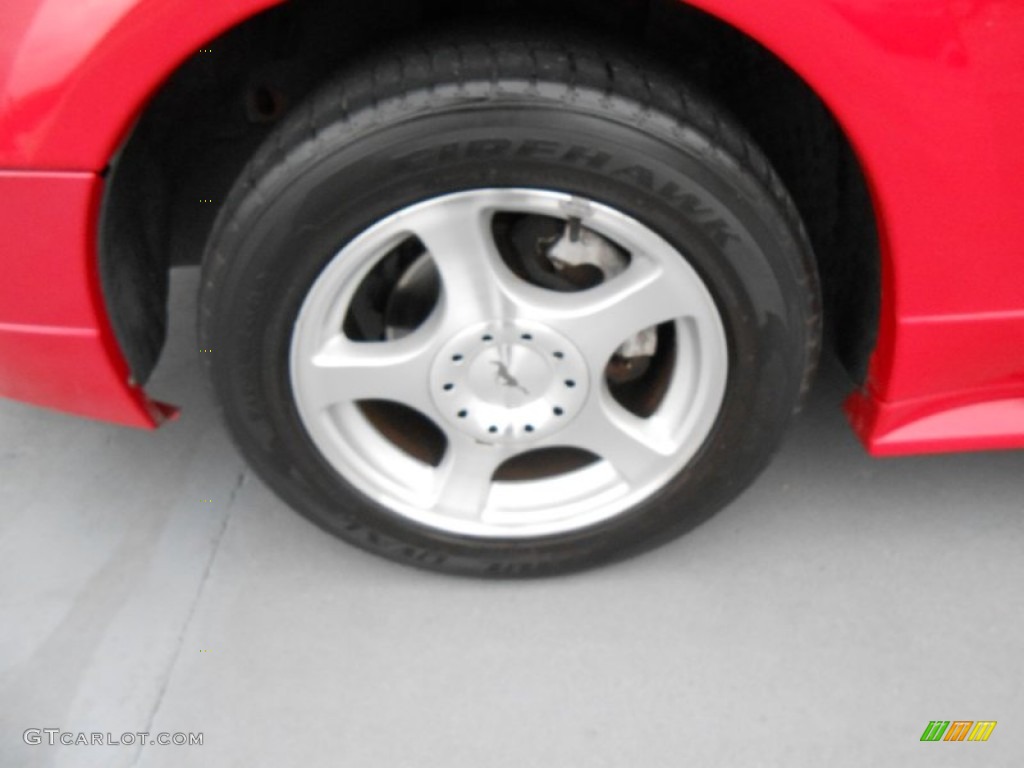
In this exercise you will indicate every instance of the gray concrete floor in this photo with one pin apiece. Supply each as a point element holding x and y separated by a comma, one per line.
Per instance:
<point>151,583</point>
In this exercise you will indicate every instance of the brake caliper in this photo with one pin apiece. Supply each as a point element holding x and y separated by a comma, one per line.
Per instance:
<point>581,247</point>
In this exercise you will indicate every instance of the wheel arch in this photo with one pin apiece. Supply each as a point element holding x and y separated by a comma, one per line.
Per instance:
<point>242,81</point>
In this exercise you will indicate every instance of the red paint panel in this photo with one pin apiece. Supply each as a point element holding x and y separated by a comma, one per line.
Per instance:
<point>73,78</point>
<point>930,92</point>
<point>959,417</point>
<point>74,75</point>
<point>911,428</point>
<point>56,346</point>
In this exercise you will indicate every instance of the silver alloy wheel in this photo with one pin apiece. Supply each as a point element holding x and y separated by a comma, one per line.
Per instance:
<point>503,367</point>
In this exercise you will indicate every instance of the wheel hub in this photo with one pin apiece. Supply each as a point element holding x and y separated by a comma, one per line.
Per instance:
<point>509,382</point>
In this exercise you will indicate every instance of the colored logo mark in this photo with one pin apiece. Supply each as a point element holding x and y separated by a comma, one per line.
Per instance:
<point>958,730</point>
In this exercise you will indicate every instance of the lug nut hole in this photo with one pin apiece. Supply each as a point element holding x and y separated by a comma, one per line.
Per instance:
<point>526,337</point>
<point>570,383</point>
<point>559,355</point>
<point>463,414</point>
<point>528,427</point>
<point>492,429</point>
<point>449,387</point>
<point>558,411</point>
<point>457,358</point>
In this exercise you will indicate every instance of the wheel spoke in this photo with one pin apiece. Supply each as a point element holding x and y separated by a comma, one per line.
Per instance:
<point>464,478</point>
<point>458,236</point>
<point>347,371</point>
<point>601,318</point>
<point>632,445</point>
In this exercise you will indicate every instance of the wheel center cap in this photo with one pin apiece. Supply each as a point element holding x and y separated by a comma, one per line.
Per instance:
<point>509,375</point>
<point>509,382</point>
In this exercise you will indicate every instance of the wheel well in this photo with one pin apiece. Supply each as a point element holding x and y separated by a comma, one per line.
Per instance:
<point>166,183</point>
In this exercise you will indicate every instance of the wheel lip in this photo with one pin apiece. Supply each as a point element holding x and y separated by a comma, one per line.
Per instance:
<point>326,303</point>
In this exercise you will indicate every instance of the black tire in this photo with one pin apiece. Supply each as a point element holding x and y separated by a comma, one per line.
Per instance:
<point>562,116</point>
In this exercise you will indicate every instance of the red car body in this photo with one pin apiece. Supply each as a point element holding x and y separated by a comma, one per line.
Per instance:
<point>930,94</point>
